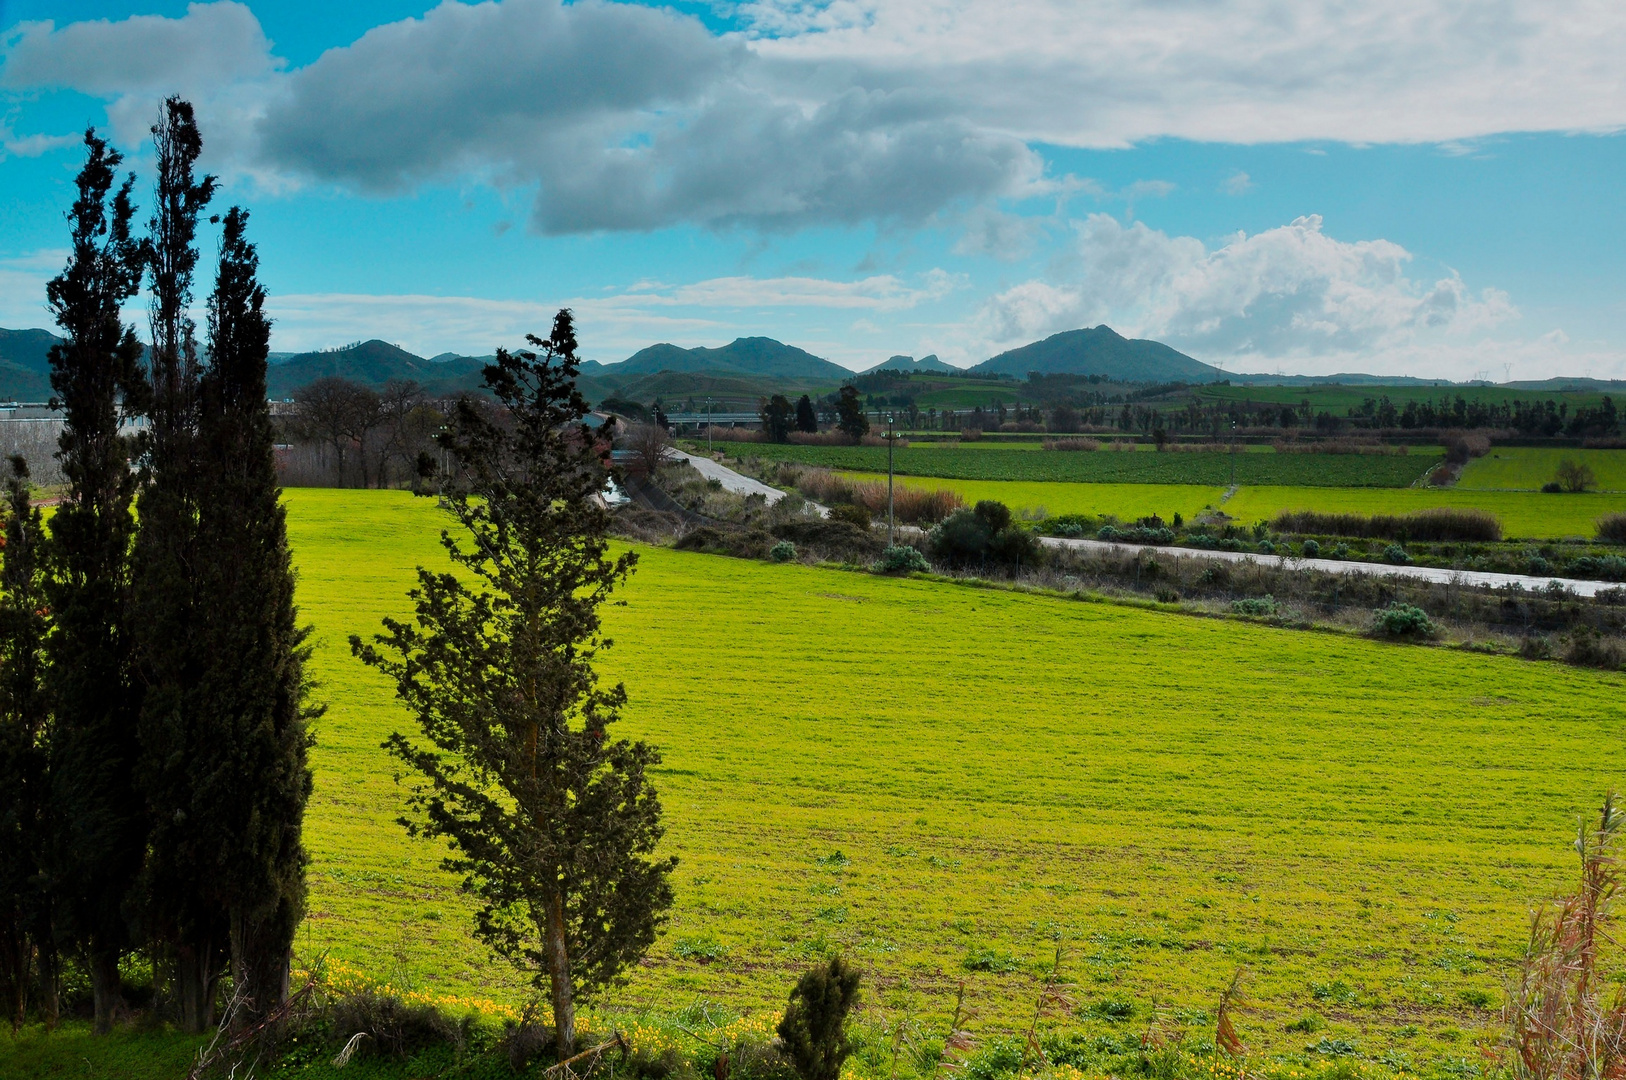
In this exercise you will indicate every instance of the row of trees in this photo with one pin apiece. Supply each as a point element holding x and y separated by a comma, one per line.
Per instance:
<point>780,418</point>
<point>153,716</point>
<point>365,437</point>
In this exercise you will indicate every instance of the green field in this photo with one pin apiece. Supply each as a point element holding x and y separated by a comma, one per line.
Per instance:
<point>1338,399</point>
<point>919,772</point>
<point>1523,513</point>
<point>1524,468</point>
<point>1110,467</point>
<point>1125,501</point>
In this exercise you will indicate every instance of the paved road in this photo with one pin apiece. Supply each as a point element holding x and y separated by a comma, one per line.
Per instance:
<point>733,481</point>
<point>1481,578</point>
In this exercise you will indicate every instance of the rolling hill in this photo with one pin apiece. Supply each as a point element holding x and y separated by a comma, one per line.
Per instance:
<point>1100,351</point>
<point>25,370</point>
<point>374,363</point>
<point>909,363</point>
<point>742,356</point>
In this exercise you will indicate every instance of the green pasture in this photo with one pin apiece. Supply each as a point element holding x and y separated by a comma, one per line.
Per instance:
<point>1526,468</point>
<point>1523,513</point>
<point>1338,399</point>
<point>936,778</point>
<point>1126,501</point>
<point>1108,466</point>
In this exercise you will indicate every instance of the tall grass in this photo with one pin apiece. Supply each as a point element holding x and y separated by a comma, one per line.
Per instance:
<point>1072,444</point>
<point>913,505</point>
<point>1612,528</point>
<point>1338,446</point>
<point>1436,523</point>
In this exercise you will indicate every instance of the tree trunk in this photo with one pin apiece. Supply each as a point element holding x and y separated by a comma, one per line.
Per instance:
<point>50,999</point>
<point>107,996</point>
<point>564,1006</point>
<point>194,968</point>
<point>259,962</point>
<point>16,959</point>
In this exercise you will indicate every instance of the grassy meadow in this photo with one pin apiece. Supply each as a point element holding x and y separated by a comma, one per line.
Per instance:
<point>1526,468</point>
<point>944,781</point>
<point>1127,501</point>
<point>997,462</point>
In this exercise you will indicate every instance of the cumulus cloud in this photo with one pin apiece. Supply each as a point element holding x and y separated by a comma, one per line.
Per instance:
<point>1288,292</point>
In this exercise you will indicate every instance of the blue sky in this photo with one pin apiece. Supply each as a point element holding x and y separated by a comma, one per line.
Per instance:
<point>1395,187</point>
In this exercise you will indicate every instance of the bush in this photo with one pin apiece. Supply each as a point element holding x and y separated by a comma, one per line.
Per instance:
<point>840,540</point>
<point>984,534</point>
<point>1136,534</point>
<point>1600,567</point>
<point>852,514</point>
<point>1552,487</point>
<point>740,543</point>
<point>1436,523</point>
<point>1402,621</point>
<point>1071,444</point>
<point>1255,605</point>
<point>1311,549</point>
<point>814,1028</point>
<point>1588,648</point>
<point>394,1027</point>
<point>1611,528</point>
<point>1396,554</point>
<point>1266,548</point>
<point>901,559</point>
<point>912,505</point>
<point>784,551</point>
<point>1575,476</point>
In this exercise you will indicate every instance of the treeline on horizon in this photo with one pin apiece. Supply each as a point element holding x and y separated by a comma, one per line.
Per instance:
<point>153,698</point>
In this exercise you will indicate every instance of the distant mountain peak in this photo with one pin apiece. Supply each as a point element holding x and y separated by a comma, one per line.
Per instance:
<point>1100,350</point>
<point>909,363</point>
<point>742,356</point>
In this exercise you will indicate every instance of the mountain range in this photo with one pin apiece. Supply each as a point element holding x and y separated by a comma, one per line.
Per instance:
<point>908,363</point>
<point>1100,351</point>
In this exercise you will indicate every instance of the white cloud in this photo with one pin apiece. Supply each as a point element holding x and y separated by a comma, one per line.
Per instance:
<point>1289,293</point>
<point>1238,183</point>
<point>22,288</point>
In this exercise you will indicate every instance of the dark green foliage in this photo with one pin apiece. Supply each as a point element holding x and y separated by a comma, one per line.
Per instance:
<point>851,513</point>
<point>850,416</point>
<point>783,551</point>
<point>902,559</point>
<point>1403,621</point>
<point>814,1027</point>
<point>25,922</point>
<point>392,1027</point>
<point>1135,534</point>
<point>1255,605</point>
<point>1311,549</point>
<point>777,416</point>
<point>249,770</point>
<point>806,418</point>
<point>167,597</point>
<point>835,539</point>
<point>741,543</point>
<point>1588,648</point>
<point>1612,528</point>
<point>1396,554</point>
<point>552,824</point>
<point>99,830</point>
<point>1440,523</point>
<point>984,534</point>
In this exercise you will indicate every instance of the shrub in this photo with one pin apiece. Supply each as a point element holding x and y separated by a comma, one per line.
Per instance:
<point>1166,595</point>
<point>394,1027</point>
<point>1575,476</point>
<point>1341,551</point>
<point>1538,566</point>
<point>1436,523</point>
<point>1311,549</point>
<point>1071,444</point>
<point>831,539</point>
<point>1552,487</point>
<point>712,540</point>
<point>1070,525</point>
<point>1600,567</point>
<point>1588,648</point>
<point>909,504</point>
<point>1255,605</point>
<point>901,559</point>
<point>1396,554</point>
<point>1266,548</point>
<point>814,1028</point>
<point>1611,528</point>
<point>784,551</point>
<point>1136,534</point>
<point>984,534</point>
<point>1402,621</point>
<point>851,513</point>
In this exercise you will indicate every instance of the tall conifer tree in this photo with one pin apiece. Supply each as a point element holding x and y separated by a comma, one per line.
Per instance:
<point>99,829</point>
<point>251,683</point>
<point>167,601</point>
<point>27,944</point>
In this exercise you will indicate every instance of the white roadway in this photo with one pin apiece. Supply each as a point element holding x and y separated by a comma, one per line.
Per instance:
<point>745,485</point>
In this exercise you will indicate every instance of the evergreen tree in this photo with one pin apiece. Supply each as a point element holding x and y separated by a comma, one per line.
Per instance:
<point>814,1027</point>
<point>99,829</point>
<point>25,918</point>
<point>776,418</point>
<point>251,780</point>
<point>850,414</point>
<point>166,598</point>
<point>552,824</point>
<point>806,418</point>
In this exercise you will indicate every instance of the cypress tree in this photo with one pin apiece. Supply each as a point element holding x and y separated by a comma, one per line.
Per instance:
<point>166,601</point>
<point>552,824</point>
<point>25,923</point>
<point>251,686</point>
<point>99,829</point>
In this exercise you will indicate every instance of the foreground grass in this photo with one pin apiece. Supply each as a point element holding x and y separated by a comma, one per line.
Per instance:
<point>944,781</point>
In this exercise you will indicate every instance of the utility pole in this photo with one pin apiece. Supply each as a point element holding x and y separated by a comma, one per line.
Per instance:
<point>708,425</point>
<point>891,437</point>
<point>1233,453</point>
